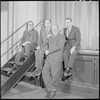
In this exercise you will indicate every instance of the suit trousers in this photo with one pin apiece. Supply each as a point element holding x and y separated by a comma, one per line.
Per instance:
<point>21,51</point>
<point>51,74</point>
<point>69,58</point>
<point>39,57</point>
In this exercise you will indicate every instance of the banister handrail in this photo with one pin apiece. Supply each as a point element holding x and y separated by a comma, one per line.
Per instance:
<point>20,39</point>
<point>10,48</point>
<point>38,23</point>
<point>15,31</point>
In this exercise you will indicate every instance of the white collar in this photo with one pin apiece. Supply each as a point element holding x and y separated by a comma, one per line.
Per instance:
<point>69,28</point>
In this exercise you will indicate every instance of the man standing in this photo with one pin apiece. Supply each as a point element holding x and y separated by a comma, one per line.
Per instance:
<point>72,46</point>
<point>28,43</point>
<point>53,64</point>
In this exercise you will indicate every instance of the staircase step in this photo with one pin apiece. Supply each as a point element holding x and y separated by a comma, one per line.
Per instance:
<point>16,77</point>
<point>8,69</point>
<point>3,79</point>
<point>25,84</point>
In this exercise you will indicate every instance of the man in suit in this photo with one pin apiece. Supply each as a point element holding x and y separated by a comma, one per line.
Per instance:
<point>45,34</point>
<point>53,64</point>
<point>28,43</point>
<point>72,46</point>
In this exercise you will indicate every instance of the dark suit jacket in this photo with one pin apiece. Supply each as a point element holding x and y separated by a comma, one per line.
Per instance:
<point>74,37</point>
<point>32,37</point>
<point>43,37</point>
<point>56,45</point>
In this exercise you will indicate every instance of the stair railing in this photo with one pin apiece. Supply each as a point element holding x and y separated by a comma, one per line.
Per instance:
<point>17,31</point>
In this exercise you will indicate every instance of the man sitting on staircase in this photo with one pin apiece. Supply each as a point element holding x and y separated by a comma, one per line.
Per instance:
<point>45,35</point>
<point>28,43</point>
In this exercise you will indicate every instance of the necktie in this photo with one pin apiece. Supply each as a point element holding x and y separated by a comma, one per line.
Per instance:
<point>67,33</point>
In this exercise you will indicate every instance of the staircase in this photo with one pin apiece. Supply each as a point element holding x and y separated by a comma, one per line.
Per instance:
<point>12,79</point>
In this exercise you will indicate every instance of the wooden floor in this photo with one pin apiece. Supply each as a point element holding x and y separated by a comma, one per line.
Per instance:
<point>35,93</point>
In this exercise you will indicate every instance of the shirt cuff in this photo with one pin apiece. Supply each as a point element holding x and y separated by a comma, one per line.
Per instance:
<point>74,47</point>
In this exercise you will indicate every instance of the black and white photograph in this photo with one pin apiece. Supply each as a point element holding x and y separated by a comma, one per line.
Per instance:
<point>50,49</point>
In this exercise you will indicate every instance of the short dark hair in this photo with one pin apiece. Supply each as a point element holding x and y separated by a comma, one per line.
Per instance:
<point>29,23</point>
<point>48,20</point>
<point>69,19</point>
<point>45,20</point>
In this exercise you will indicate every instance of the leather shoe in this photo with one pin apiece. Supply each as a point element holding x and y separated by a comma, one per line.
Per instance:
<point>9,72</point>
<point>53,93</point>
<point>14,68</point>
<point>67,74</point>
<point>11,62</point>
<point>48,94</point>
<point>31,78</point>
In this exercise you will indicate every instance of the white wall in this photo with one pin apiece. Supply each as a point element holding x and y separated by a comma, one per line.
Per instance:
<point>4,28</point>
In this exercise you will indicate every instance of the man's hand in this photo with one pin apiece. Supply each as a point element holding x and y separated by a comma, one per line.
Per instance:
<point>47,52</point>
<point>72,50</point>
<point>38,47</point>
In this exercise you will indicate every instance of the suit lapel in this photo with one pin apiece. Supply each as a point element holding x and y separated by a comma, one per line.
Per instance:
<point>54,38</point>
<point>65,29</point>
<point>71,32</point>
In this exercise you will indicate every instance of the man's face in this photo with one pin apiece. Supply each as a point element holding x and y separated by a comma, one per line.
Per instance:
<point>55,29</point>
<point>30,27</point>
<point>68,23</point>
<point>47,23</point>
